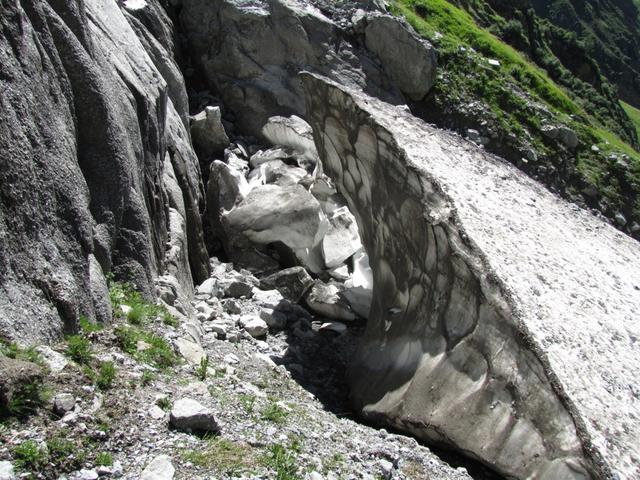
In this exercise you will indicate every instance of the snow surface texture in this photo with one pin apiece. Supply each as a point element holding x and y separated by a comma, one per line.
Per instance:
<point>504,320</point>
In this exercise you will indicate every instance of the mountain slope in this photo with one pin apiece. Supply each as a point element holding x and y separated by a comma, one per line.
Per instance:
<point>502,99</point>
<point>610,30</point>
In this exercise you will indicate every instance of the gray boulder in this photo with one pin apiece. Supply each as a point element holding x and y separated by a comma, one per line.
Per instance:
<point>342,239</point>
<point>254,326</point>
<point>292,132</point>
<point>276,172</point>
<point>191,351</point>
<point>7,471</point>
<point>191,416</point>
<point>500,315</point>
<point>226,187</point>
<point>409,60</point>
<point>16,379</point>
<point>292,283</point>
<point>208,133</point>
<point>160,468</point>
<point>270,213</point>
<point>562,134</point>
<point>63,403</point>
<point>328,301</point>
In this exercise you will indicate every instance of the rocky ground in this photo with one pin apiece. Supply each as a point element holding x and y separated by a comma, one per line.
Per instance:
<point>252,402</point>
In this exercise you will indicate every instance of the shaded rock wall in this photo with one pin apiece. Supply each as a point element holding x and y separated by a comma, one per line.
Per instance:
<point>91,106</point>
<point>503,320</point>
<point>251,53</point>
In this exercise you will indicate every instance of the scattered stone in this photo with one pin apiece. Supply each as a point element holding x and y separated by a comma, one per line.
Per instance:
<point>191,416</point>
<point>327,300</point>
<point>493,62</point>
<point>55,361</point>
<point>63,403</point>
<point>620,219</point>
<point>334,327</point>
<point>233,337</point>
<point>238,289</point>
<point>292,132</point>
<point>116,469</point>
<point>342,239</point>
<point>6,471</point>
<point>562,134</point>
<point>292,283</point>
<point>219,329</point>
<point>160,468</point>
<point>269,298</point>
<point>85,474</point>
<point>156,412</point>
<point>274,153</point>
<point>208,287</point>
<point>125,309</point>
<point>254,326</point>
<point>208,132</point>
<point>232,307</point>
<point>190,351</point>
<point>386,467</point>
<point>274,319</point>
<point>231,359</point>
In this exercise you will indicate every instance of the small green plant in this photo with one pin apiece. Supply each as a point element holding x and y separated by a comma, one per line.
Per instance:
<point>141,310</point>
<point>86,326</point>
<point>222,455</point>
<point>106,375</point>
<point>29,456</point>
<point>158,351</point>
<point>333,463</point>
<point>148,377</point>
<point>27,399</point>
<point>137,315</point>
<point>201,370</point>
<point>282,461</point>
<point>104,459</point>
<point>164,403</point>
<point>274,413</point>
<point>248,402</point>
<point>27,354</point>
<point>63,454</point>
<point>79,349</point>
<point>169,319</point>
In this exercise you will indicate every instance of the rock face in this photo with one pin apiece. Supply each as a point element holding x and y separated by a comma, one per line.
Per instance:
<point>251,53</point>
<point>93,115</point>
<point>503,319</point>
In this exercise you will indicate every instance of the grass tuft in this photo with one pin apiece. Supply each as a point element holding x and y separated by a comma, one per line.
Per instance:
<point>79,349</point>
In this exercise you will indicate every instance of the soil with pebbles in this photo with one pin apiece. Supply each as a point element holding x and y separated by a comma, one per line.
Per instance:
<point>286,389</point>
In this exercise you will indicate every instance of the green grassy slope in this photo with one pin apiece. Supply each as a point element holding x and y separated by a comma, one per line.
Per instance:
<point>521,98</point>
<point>634,113</point>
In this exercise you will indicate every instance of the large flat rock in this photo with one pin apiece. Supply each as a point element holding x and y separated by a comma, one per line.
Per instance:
<point>505,320</point>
